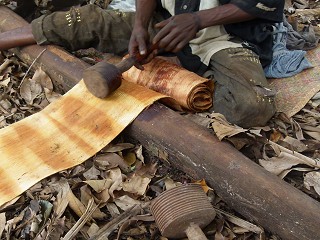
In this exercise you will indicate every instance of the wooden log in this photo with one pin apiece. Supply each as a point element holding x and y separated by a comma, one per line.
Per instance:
<point>249,189</point>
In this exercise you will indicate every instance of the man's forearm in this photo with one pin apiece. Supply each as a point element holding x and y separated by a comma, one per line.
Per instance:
<point>224,14</point>
<point>144,11</point>
<point>17,37</point>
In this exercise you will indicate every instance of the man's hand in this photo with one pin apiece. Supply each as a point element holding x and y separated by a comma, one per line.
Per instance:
<point>139,47</point>
<point>175,32</point>
<point>138,41</point>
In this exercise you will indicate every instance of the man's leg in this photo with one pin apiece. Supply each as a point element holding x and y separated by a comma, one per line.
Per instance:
<point>242,93</point>
<point>84,27</point>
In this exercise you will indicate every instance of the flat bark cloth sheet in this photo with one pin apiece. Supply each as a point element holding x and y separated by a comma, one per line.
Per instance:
<point>64,134</point>
<point>293,93</point>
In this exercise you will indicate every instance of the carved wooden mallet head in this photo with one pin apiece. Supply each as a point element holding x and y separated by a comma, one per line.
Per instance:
<point>183,211</point>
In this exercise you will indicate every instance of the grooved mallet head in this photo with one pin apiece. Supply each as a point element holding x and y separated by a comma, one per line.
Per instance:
<point>183,211</point>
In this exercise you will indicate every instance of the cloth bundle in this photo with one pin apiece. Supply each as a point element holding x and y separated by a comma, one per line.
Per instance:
<point>187,90</point>
<point>285,63</point>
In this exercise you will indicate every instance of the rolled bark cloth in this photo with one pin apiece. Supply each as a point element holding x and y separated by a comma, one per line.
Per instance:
<point>187,90</point>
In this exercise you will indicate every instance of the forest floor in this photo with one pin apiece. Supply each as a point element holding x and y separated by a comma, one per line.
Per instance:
<point>49,209</point>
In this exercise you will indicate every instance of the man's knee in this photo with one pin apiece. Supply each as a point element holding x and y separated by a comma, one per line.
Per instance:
<point>244,108</point>
<point>242,92</point>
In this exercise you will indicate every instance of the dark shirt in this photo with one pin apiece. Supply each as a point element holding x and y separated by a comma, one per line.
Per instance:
<point>255,35</point>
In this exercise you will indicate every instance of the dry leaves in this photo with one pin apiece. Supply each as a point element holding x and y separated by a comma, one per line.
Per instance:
<point>108,195</point>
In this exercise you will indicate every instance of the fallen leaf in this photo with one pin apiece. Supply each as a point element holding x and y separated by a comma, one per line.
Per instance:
<point>51,95</point>
<point>139,153</point>
<point>111,160</point>
<point>103,196</point>
<point>116,176</point>
<point>136,185</point>
<point>43,79</point>
<point>92,173</point>
<point>219,236</point>
<point>315,135</point>
<point>93,229</point>
<point>312,179</point>
<point>5,64</point>
<point>240,230</point>
<point>113,209</point>
<point>169,183</point>
<point>280,163</point>
<point>147,170</point>
<point>285,159</point>
<point>46,208</point>
<point>223,128</point>
<point>79,208</point>
<point>2,223</point>
<point>75,204</point>
<point>5,82</point>
<point>299,169</point>
<point>90,210</point>
<point>99,185</point>
<point>130,158</point>
<point>117,147</point>
<point>297,129</point>
<point>275,136</point>
<point>241,223</point>
<point>30,90</point>
<point>294,144</point>
<point>125,202</point>
<point>62,198</point>
<point>204,185</point>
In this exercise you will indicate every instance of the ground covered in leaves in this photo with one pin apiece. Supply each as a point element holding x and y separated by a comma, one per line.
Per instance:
<point>108,196</point>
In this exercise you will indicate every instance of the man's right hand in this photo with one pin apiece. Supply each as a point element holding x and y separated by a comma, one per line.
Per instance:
<point>140,45</point>
<point>138,41</point>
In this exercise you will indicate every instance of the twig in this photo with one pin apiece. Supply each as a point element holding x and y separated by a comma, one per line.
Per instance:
<point>107,229</point>
<point>240,222</point>
<point>31,67</point>
<point>5,117</point>
<point>304,12</point>
<point>309,161</point>
<point>82,220</point>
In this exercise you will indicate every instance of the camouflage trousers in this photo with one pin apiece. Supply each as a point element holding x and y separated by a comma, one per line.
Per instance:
<point>241,92</point>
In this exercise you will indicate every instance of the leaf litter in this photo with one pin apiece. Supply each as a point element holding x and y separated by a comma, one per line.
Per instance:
<point>108,196</point>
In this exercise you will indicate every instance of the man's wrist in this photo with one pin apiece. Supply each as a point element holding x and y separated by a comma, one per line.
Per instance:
<point>197,20</point>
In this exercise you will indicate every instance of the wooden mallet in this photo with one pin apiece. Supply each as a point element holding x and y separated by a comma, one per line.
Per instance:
<point>104,78</point>
<point>183,211</point>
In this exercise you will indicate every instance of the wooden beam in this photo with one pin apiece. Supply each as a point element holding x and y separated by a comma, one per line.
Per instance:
<point>249,189</point>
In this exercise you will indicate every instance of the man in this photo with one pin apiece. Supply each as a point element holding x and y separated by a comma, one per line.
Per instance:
<point>228,40</point>
<point>199,33</point>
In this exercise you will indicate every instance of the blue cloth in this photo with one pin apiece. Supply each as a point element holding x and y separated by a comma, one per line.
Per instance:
<point>285,63</point>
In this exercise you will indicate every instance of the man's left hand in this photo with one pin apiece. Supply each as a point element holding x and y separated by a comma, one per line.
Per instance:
<point>177,31</point>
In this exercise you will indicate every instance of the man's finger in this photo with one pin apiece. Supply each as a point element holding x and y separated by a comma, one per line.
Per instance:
<point>132,47</point>
<point>162,23</point>
<point>160,36</point>
<point>142,45</point>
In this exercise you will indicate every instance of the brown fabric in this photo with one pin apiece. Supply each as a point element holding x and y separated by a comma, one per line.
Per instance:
<point>188,90</point>
<point>293,93</point>
<point>242,92</point>
<point>65,134</point>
